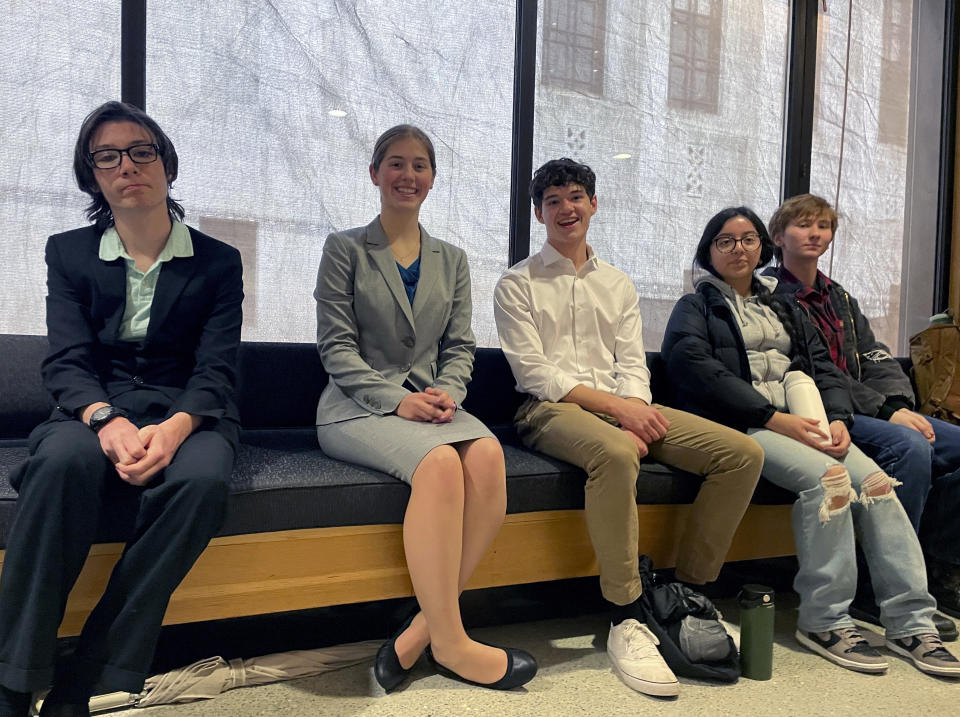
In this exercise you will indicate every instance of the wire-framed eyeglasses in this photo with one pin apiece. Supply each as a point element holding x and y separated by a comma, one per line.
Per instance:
<point>726,243</point>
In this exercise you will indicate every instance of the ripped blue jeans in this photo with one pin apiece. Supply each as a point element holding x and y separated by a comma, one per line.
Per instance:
<point>838,501</point>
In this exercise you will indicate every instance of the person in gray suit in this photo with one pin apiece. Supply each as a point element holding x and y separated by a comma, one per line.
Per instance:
<point>393,331</point>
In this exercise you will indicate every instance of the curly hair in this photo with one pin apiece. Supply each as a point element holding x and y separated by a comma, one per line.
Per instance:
<point>561,173</point>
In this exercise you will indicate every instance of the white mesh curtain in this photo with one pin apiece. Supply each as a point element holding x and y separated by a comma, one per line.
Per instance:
<point>275,107</point>
<point>59,61</point>
<point>687,120</point>
<point>860,148</point>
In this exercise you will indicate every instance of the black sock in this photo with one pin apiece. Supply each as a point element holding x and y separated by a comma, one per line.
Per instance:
<point>13,703</point>
<point>619,613</point>
<point>69,693</point>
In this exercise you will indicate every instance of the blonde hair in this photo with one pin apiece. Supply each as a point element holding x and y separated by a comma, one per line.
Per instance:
<point>802,206</point>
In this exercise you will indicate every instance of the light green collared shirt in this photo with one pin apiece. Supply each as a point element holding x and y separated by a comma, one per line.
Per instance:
<point>141,285</point>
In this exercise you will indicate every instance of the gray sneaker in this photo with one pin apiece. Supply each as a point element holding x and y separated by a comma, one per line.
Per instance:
<point>846,647</point>
<point>927,653</point>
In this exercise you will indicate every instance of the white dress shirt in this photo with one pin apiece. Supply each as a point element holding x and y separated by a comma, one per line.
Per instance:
<point>560,327</point>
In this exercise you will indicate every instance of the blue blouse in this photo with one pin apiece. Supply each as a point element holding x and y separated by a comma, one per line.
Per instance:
<point>411,277</point>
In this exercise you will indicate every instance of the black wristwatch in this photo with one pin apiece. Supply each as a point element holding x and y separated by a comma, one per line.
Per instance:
<point>103,416</point>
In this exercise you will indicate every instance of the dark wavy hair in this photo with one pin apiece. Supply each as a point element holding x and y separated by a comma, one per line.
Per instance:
<point>561,173</point>
<point>402,131</point>
<point>764,296</point>
<point>98,211</point>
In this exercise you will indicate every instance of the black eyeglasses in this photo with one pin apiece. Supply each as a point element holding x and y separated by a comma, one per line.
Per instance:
<point>138,153</point>
<point>726,243</point>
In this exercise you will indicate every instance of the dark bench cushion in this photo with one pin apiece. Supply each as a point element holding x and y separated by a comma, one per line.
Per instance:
<point>283,481</point>
<point>25,403</point>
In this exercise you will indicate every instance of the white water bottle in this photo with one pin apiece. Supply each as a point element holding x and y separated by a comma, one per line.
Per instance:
<point>803,399</point>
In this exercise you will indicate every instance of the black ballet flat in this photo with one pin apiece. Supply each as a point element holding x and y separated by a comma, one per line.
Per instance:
<point>386,667</point>
<point>521,668</point>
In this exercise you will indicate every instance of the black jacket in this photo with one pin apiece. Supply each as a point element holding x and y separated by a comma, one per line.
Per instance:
<point>709,371</point>
<point>186,362</point>
<point>877,384</point>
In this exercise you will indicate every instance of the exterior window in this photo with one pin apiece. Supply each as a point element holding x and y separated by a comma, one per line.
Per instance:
<point>695,32</point>
<point>894,73</point>
<point>242,235</point>
<point>573,33</point>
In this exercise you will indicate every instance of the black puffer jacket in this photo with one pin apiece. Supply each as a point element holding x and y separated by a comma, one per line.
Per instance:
<point>709,371</point>
<point>877,384</point>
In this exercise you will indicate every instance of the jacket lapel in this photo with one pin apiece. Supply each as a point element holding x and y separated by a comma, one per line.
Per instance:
<point>379,250</point>
<point>429,270</point>
<point>174,275</point>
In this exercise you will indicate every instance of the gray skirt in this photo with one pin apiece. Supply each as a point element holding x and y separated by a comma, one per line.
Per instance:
<point>395,445</point>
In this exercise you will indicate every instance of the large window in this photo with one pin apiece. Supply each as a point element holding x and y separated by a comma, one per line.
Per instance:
<point>573,42</point>
<point>662,171</point>
<point>696,29</point>
<point>678,105</point>
<point>58,64</point>
<point>859,161</point>
<point>275,107</point>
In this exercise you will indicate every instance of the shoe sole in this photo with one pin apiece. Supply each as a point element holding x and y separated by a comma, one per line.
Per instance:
<point>952,612</point>
<point>656,689</point>
<point>836,659</point>
<point>923,666</point>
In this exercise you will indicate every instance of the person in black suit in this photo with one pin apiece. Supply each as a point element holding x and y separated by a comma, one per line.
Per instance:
<point>143,320</point>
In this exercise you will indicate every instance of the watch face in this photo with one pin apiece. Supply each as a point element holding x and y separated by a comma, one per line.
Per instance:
<point>101,413</point>
<point>102,416</point>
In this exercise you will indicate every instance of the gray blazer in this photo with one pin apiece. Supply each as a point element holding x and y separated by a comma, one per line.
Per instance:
<point>371,340</point>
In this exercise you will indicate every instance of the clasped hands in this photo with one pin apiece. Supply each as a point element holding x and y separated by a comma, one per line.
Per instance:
<point>432,405</point>
<point>138,454</point>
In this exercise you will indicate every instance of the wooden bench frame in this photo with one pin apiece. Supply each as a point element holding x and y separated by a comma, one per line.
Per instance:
<point>261,573</point>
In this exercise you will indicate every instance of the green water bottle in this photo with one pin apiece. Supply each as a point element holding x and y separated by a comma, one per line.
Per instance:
<point>756,631</point>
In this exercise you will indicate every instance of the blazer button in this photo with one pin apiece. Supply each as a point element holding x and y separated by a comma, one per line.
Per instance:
<point>408,341</point>
<point>405,367</point>
<point>137,380</point>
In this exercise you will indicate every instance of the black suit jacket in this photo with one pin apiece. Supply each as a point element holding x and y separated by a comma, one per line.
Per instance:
<point>186,362</point>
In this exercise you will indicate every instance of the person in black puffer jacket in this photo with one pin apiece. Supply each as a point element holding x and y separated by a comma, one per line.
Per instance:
<point>728,348</point>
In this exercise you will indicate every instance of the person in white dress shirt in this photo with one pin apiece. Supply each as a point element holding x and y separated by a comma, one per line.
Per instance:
<point>570,327</point>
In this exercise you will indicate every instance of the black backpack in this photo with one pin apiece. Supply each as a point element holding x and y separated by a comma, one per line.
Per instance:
<point>674,613</point>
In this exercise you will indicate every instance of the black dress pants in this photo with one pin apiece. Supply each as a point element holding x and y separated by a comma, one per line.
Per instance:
<point>66,487</point>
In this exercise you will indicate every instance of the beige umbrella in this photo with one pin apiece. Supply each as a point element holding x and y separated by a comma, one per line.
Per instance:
<point>207,678</point>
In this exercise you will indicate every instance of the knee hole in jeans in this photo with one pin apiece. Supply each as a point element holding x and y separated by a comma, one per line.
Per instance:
<point>878,486</point>
<point>837,492</point>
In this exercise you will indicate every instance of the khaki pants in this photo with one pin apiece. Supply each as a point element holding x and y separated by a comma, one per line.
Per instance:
<point>729,461</point>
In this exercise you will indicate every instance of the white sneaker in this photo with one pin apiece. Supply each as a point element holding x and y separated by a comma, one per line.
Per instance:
<point>633,651</point>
